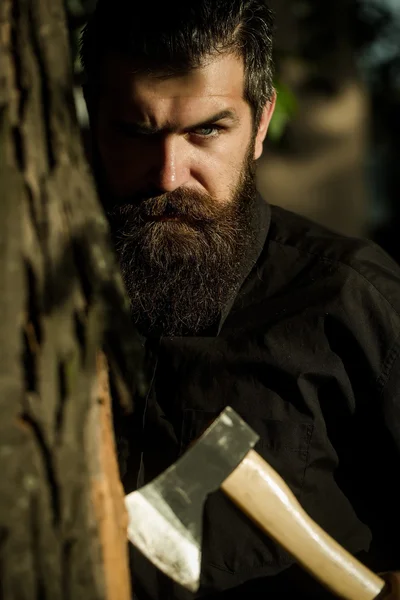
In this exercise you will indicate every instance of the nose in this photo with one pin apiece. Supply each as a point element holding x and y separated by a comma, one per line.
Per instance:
<point>170,169</point>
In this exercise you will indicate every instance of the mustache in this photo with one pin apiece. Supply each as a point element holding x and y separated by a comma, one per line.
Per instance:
<point>188,205</point>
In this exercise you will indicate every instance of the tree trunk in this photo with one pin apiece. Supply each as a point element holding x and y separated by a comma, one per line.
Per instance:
<point>62,529</point>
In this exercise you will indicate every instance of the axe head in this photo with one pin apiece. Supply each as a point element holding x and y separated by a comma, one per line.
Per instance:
<point>166,516</point>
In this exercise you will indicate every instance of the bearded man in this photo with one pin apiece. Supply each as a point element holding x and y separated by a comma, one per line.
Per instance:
<point>239,302</point>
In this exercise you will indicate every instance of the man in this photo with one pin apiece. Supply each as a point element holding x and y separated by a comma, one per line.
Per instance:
<point>239,302</point>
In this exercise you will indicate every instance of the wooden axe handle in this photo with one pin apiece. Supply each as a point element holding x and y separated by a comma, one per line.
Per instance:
<point>262,494</point>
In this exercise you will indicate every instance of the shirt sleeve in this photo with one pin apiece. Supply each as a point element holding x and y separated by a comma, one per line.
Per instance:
<point>384,467</point>
<point>390,382</point>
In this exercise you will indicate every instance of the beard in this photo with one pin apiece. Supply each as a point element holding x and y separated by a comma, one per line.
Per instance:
<point>182,253</point>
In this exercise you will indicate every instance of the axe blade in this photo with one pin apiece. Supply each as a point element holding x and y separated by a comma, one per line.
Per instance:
<point>166,515</point>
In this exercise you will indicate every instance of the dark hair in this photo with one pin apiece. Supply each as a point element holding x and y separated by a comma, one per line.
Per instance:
<point>177,35</point>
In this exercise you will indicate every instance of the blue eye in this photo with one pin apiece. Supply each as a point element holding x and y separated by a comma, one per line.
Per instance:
<point>207,132</point>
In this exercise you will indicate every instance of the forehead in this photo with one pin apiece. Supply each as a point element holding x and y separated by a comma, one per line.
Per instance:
<point>213,86</point>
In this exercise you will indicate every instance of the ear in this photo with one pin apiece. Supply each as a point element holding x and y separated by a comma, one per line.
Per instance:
<point>87,94</point>
<point>266,117</point>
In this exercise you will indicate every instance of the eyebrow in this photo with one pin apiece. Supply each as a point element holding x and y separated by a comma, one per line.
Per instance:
<point>143,128</point>
<point>219,116</point>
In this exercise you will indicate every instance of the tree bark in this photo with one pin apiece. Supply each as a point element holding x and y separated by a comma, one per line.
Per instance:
<point>62,530</point>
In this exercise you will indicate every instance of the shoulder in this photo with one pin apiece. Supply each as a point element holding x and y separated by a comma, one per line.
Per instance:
<point>310,279</point>
<point>356,266</point>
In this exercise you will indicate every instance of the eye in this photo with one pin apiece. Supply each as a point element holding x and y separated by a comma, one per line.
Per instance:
<point>208,132</point>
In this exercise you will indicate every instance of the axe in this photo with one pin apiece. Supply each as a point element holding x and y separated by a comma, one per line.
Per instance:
<point>165,516</point>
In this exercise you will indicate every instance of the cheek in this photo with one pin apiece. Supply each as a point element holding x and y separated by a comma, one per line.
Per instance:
<point>121,159</point>
<point>219,171</point>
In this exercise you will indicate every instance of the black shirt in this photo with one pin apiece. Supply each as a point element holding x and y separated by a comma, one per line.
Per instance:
<point>307,352</point>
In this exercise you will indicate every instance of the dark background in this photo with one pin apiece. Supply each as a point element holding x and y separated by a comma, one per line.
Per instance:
<point>333,147</point>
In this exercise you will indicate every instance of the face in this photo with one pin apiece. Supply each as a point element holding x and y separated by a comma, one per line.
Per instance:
<point>175,165</point>
<point>159,134</point>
